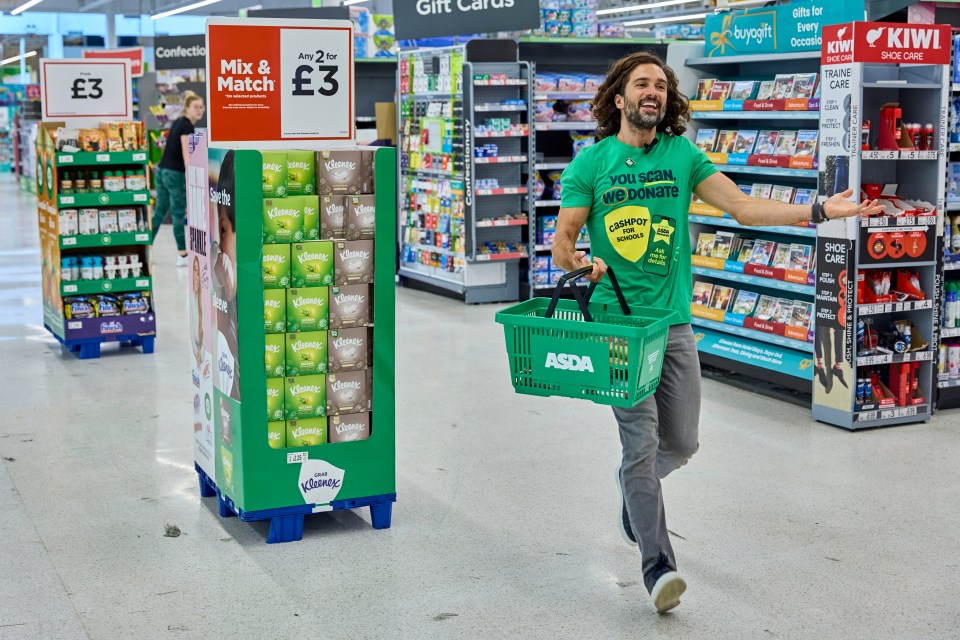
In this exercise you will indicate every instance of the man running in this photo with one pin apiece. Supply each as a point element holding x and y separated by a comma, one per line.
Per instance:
<point>633,190</point>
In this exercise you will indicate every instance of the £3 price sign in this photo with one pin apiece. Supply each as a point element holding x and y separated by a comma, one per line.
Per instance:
<point>277,80</point>
<point>83,92</point>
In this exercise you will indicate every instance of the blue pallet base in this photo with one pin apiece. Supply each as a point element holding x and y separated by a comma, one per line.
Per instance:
<point>88,348</point>
<point>286,524</point>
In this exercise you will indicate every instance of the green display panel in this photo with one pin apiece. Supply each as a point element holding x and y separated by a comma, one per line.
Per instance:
<point>252,468</point>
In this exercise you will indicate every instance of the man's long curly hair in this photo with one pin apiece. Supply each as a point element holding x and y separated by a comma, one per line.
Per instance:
<point>605,109</point>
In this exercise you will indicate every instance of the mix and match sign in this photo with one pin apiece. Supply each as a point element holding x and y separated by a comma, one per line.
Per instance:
<point>84,92</point>
<point>257,69</point>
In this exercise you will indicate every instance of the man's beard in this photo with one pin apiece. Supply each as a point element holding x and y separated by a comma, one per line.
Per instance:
<point>640,120</point>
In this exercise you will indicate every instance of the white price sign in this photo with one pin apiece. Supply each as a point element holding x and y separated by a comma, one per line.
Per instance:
<point>84,92</point>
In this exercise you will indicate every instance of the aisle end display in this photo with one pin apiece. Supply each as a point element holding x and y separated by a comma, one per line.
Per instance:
<point>293,414</point>
<point>94,215</point>
<point>877,316</point>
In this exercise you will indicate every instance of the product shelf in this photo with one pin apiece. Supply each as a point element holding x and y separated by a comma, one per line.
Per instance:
<point>490,257</point>
<point>117,285</point>
<point>753,334</point>
<point>906,154</point>
<point>900,84</point>
<point>439,173</point>
<point>565,126</point>
<point>105,199</point>
<point>547,203</point>
<point>105,240</point>
<point>950,332</point>
<point>508,82</point>
<point>502,191</point>
<point>432,95</point>
<point>546,166</point>
<point>755,115</point>
<point>564,95</point>
<point>518,222</point>
<point>893,307</point>
<point>433,249</point>
<point>897,221</point>
<point>501,134</point>
<point>769,283</point>
<point>894,358</point>
<point>90,158</point>
<point>890,417</point>
<point>581,246</point>
<point>948,384</point>
<point>487,108</point>
<point>500,160</point>
<point>778,172</point>
<point>788,230</point>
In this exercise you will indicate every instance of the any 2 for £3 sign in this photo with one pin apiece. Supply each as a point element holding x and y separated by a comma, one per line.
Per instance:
<point>276,80</point>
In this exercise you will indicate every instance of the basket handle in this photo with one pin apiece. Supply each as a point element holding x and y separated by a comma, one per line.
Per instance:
<point>571,278</point>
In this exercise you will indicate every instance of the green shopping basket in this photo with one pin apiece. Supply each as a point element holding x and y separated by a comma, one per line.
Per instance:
<point>575,349</point>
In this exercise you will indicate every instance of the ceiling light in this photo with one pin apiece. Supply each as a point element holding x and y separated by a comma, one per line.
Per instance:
<point>15,58</point>
<point>172,12</point>
<point>690,17</point>
<point>641,7</point>
<point>25,6</point>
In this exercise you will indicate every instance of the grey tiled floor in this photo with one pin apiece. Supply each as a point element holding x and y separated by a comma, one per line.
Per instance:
<point>505,521</point>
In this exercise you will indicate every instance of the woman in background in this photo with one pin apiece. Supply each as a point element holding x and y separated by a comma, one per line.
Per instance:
<point>171,174</point>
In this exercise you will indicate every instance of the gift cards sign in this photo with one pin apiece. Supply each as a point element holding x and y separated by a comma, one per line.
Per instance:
<point>432,18</point>
<point>84,92</point>
<point>277,80</point>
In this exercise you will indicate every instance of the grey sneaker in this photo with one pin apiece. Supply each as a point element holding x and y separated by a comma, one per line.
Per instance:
<point>667,591</point>
<point>626,532</point>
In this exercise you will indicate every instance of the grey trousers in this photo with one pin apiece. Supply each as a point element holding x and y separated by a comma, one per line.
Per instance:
<point>658,436</point>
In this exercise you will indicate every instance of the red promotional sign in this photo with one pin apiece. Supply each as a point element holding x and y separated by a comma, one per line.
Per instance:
<point>278,80</point>
<point>133,54</point>
<point>901,43</point>
<point>837,44</point>
<point>886,43</point>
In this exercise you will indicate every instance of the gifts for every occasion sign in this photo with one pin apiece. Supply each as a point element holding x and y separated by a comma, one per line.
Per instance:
<point>432,18</point>
<point>276,80</point>
<point>83,92</point>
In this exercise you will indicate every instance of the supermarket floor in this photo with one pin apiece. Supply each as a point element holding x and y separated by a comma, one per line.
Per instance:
<point>505,520</point>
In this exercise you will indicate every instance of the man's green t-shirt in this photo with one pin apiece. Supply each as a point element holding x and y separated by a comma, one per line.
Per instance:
<point>639,203</point>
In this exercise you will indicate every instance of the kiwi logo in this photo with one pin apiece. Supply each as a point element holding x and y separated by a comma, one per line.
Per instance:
<point>614,195</point>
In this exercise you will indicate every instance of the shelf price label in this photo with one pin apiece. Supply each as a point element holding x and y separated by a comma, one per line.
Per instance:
<point>83,92</point>
<point>142,237</point>
<point>65,158</point>
<point>272,79</point>
<point>139,197</point>
<point>69,242</point>
<point>103,157</point>
<point>143,282</point>
<point>69,288</point>
<point>297,457</point>
<point>139,157</point>
<point>66,200</point>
